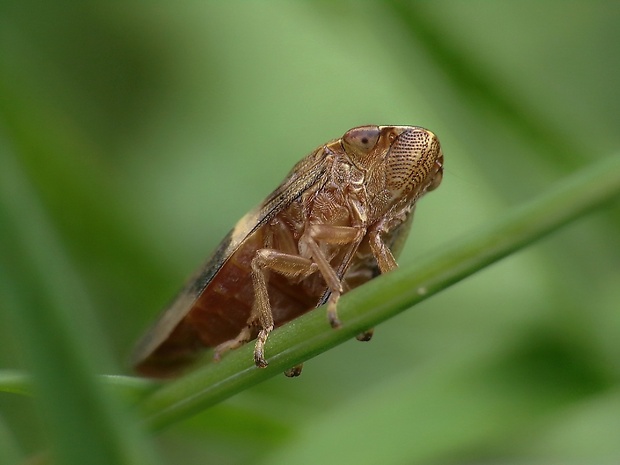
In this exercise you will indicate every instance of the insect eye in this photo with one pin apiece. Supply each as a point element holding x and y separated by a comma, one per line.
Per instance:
<point>361,140</point>
<point>438,175</point>
<point>435,181</point>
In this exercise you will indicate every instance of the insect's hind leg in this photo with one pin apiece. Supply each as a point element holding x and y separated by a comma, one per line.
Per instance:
<point>266,260</point>
<point>242,338</point>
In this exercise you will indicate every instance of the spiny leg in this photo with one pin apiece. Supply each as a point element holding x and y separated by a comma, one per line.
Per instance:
<point>385,260</point>
<point>242,338</point>
<point>332,310</point>
<point>333,235</point>
<point>265,260</point>
<point>382,253</point>
<point>261,306</point>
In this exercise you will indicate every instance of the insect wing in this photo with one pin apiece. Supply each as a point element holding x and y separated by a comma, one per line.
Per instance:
<point>308,173</point>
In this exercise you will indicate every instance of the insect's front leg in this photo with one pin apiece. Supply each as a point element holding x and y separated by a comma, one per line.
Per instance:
<point>382,253</point>
<point>332,235</point>
<point>385,260</point>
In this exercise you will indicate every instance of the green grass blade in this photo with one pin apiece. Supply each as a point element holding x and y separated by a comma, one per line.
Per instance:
<point>387,295</point>
<point>43,300</point>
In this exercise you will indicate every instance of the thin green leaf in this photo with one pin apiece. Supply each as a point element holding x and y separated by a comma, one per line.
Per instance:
<point>17,382</point>
<point>43,300</point>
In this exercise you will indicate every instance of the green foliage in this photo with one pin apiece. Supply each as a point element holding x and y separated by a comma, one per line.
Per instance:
<point>133,135</point>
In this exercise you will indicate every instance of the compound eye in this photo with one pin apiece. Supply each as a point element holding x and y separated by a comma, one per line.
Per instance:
<point>362,139</point>
<point>435,181</point>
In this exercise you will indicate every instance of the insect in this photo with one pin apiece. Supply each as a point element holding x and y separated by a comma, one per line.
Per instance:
<point>338,219</point>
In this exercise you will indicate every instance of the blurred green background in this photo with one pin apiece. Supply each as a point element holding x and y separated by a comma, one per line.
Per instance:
<point>146,129</point>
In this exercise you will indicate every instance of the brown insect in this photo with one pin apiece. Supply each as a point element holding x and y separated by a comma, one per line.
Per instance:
<point>335,222</point>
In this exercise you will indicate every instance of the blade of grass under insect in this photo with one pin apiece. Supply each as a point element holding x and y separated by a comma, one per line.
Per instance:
<point>43,299</point>
<point>386,296</point>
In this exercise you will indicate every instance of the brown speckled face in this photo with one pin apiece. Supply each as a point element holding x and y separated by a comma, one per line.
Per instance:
<point>331,225</point>
<point>413,163</point>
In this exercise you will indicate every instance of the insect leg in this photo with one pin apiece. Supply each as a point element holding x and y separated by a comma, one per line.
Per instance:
<point>294,371</point>
<point>366,335</point>
<point>381,252</point>
<point>333,235</point>
<point>243,337</point>
<point>265,260</point>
